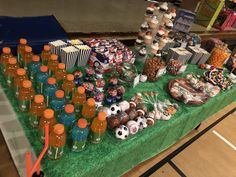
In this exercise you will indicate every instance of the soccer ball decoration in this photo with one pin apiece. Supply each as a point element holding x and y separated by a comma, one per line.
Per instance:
<point>122,132</point>
<point>115,109</point>
<point>142,122</point>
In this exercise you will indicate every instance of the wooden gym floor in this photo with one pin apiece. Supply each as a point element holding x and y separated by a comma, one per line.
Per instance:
<point>209,151</point>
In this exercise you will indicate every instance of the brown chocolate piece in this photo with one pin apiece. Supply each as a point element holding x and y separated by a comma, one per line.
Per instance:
<point>113,122</point>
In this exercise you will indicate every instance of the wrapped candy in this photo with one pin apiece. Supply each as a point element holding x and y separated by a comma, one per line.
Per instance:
<point>89,74</point>
<point>112,82</point>
<point>174,66</point>
<point>99,97</point>
<point>100,83</point>
<point>78,77</point>
<point>89,88</point>
<point>111,97</point>
<point>120,92</point>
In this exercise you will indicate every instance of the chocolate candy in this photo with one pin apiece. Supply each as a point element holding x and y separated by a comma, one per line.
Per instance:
<point>174,66</point>
<point>124,117</point>
<point>141,109</point>
<point>113,121</point>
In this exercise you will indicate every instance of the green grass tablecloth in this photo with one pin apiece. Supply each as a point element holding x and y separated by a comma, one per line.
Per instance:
<point>113,157</point>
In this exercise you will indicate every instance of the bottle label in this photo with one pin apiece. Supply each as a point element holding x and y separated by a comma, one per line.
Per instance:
<point>55,152</point>
<point>68,95</point>
<point>16,91</point>
<point>40,87</point>
<point>95,137</point>
<point>34,120</point>
<point>9,81</point>
<point>44,61</point>
<point>41,135</point>
<point>78,145</point>
<point>24,105</point>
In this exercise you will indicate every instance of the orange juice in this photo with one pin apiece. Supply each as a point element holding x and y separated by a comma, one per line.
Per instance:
<point>68,86</point>
<point>78,99</point>
<point>21,49</point>
<point>57,141</point>
<point>98,128</point>
<point>36,110</point>
<point>60,74</point>
<point>27,57</point>
<point>46,54</point>
<point>10,71</point>
<point>89,110</point>
<point>47,118</point>
<point>18,80</point>
<point>6,54</point>
<point>26,95</point>
<point>52,64</point>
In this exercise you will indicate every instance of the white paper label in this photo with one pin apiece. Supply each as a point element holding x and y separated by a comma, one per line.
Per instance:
<point>183,68</point>
<point>136,81</point>
<point>161,72</point>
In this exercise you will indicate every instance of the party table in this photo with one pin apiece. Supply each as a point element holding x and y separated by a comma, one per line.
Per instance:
<point>113,157</point>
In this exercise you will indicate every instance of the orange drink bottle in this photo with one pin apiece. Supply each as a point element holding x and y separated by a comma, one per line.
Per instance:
<point>21,49</point>
<point>78,99</point>
<point>18,80</point>
<point>10,71</point>
<point>80,135</point>
<point>27,57</point>
<point>46,54</point>
<point>36,110</point>
<point>49,119</point>
<point>60,74</point>
<point>26,95</point>
<point>98,128</point>
<point>6,54</point>
<point>52,64</point>
<point>68,86</point>
<point>89,110</point>
<point>57,141</point>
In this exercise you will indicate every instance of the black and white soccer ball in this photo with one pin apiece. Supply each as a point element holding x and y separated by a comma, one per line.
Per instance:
<point>122,132</point>
<point>142,122</point>
<point>115,109</point>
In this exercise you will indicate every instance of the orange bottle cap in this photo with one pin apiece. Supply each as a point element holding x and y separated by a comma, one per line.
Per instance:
<point>91,102</point>
<point>102,116</point>
<point>59,129</point>
<point>69,108</point>
<point>46,47</point>
<point>54,57</point>
<point>23,41</point>
<point>70,77</point>
<point>61,65</point>
<point>81,90</point>
<point>12,61</point>
<point>82,123</point>
<point>60,93</point>
<point>6,50</point>
<point>51,80</point>
<point>20,72</point>
<point>28,49</point>
<point>44,69</point>
<point>27,84</point>
<point>36,58</point>
<point>48,113</point>
<point>38,98</point>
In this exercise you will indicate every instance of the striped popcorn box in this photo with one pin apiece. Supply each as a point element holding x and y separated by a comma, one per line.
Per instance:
<point>69,56</point>
<point>56,46</point>
<point>84,54</point>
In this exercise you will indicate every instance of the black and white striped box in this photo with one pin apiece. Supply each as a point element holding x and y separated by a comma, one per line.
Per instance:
<point>84,54</point>
<point>56,46</point>
<point>69,56</point>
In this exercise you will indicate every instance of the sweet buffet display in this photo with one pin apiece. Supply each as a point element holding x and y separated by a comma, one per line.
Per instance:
<point>99,95</point>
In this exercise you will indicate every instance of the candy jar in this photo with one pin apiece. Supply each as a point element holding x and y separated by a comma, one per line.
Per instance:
<point>218,56</point>
<point>89,77</point>
<point>174,66</point>
<point>100,83</point>
<point>120,92</point>
<point>111,97</point>
<point>89,88</point>
<point>78,78</point>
